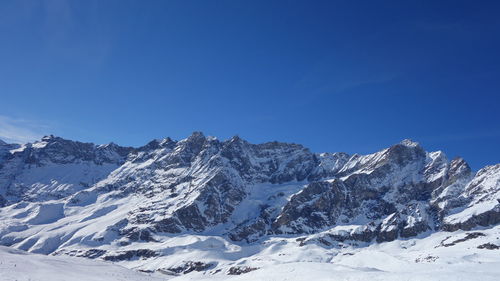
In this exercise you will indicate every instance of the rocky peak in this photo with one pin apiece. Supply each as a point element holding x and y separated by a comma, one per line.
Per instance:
<point>59,150</point>
<point>166,142</point>
<point>436,166</point>
<point>458,169</point>
<point>457,163</point>
<point>329,164</point>
<point>232,145</point>
<point>157,144</point>
<point>409,143</point>
<point>5,151</point>
<point>152,145</point>
<point>52,149</point>
<point>236,139</point>
<point>235,143</point>
<point>390,160</point>
<point>196,137</point>
<point>486,181</point>
<point>49,138</point>
<point>193,144</point>
<point>111,153</point>
<point>405,152</point>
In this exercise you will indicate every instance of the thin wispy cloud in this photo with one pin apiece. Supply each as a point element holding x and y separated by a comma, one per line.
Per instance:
<point>15,130</point>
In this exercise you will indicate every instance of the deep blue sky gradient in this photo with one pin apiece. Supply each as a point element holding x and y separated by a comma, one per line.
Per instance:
<point>353,76</point>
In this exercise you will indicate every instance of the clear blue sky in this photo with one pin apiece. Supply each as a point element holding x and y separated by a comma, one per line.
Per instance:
<point>353,76</point>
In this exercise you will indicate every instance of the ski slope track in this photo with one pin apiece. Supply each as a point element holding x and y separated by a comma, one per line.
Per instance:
<point>206,209</point>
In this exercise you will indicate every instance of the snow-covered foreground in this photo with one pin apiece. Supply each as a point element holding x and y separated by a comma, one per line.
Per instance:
<point>331,272</point>
<point>440,256</point>
<point>23,266</point>
<point>459,255</point>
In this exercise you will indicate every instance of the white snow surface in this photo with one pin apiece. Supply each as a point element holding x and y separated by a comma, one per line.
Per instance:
<point>423,258</point>
<point>413,259</point>
<point>21,266</point>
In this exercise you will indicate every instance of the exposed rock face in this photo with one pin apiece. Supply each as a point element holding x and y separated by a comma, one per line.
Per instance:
<point>390,189</point>
<point>54,168</point>
<point>468,236</point>
<point>127,255</point>
<point>90,253</point>
<point>489,246</point>
<point>211,173</point>
<point>190,266</point>
<point>238,270</point>
<point>234,189</point>
<point>477,205</point>
<point>318,205</point>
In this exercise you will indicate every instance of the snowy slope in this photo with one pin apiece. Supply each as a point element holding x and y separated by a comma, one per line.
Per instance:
<point>441,256</point>
<point>21,266</point>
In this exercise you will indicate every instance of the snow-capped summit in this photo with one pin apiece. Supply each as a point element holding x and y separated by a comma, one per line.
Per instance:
<point>55,168</point>
<point>408,142</point>
<point>128,204</point>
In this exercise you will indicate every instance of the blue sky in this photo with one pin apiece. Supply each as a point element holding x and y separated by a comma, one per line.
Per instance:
<point>353,76</point>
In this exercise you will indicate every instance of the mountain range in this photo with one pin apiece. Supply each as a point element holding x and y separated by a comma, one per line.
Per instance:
<point>229,206</point>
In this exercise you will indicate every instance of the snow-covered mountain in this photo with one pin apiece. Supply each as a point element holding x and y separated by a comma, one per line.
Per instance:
<point>217,207</point>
